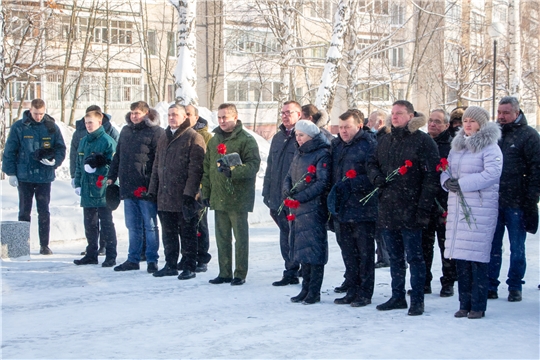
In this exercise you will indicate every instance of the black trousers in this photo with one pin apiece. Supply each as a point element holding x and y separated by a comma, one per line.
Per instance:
<point>174,225</point>
<point>357,243</point>
<point>291,266</point>
<point>42,192</point>
<point>98,224</point>
<point>436,227</point>
<point>473,283</point>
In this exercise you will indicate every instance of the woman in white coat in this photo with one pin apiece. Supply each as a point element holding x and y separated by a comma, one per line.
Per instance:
<point>475,165</point>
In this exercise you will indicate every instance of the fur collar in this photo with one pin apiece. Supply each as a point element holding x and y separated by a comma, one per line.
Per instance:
<point>487,135</point>
<point>151,119</point>
<point>323,120</point>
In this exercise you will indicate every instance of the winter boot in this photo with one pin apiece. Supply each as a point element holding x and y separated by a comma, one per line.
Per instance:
<point>514,295</point>
<point>476,314</point>
<point>417,308</point>
<point>392,304</point>
<point>347,299</point>
<point>86,260</point>
<point>447,291</point>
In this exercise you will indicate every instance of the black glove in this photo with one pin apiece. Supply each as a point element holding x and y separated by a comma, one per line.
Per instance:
<point>452,185</point>
<point>206,202</point>
<point>148,197</point>
<point>422,218</point>
<point>41,154</point>
<point>190,207</point>
<point>225,170</point>
<point>379,181</point>
<point>96,160</point>
<point>288,193</point>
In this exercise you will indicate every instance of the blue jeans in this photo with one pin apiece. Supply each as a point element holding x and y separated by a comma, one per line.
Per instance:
<point>399,242</point>
<point>512,219</point>
<point>141,216</point>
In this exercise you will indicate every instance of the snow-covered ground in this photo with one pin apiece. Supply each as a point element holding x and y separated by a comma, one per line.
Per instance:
<point>52,309</point>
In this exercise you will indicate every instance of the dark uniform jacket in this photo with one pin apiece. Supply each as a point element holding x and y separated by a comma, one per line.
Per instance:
<point>25,137</point>
<point>80,132</point>
<point>92,194</point>
<point>236,193</point>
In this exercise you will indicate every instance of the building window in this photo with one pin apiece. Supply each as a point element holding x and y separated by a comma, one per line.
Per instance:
<point>23,90</point>
<point>453,11</point>
<point>252,42</point>
<point>171,44</point>
<point>397,57</point>
<point>151,42</point>
<point>374,92</point>
<point>397,14</point>
<point>252,91</point>
<point>321,9</point>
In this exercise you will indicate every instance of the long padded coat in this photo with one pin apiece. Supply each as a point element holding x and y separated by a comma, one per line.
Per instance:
<point>476,161</point>
<point>308,238</point>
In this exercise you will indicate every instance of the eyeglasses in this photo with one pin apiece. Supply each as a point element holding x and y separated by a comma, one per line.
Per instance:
<point>436,122</point>
<point>288,113</point>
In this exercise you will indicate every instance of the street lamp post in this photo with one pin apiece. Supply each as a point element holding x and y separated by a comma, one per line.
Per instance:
<point>495,31</point>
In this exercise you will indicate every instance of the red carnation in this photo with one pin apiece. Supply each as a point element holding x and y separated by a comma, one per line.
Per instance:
<point>99,182</point>
<point>312,169</point>
<point>308,179</point>
<point>199,234</point>
<point>444,214</point>
<point>444,161</point>
<point>408,163</point>
<point>351,174</point>
<point>222,149</point>
<point>438,167</point>
<point>443,165</point>
<point>291,217</point>
<point>295,204</point>
<point>138,192</point>
<point>402,170</point>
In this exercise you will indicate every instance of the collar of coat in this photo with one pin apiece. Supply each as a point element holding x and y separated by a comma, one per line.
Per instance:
<point>520,121</point>
<point>443,138</point>
<point>412,126</point>
<point>97,133</point>
<point>323,119</point>
<point>151,119</point>
<point>106,123</point>
<point>487,135</point>
<point>359,135</point>
<point>181,129</point>
<point>201,124</point>
<point>47,121</point>
<point>235,131</point>
<point>318,142</point>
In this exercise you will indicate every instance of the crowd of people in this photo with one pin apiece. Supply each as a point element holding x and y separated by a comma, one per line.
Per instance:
<point>386,188</point>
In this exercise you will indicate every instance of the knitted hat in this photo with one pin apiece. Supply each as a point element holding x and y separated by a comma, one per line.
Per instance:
<point>307,127</point>
<point>477,113</point>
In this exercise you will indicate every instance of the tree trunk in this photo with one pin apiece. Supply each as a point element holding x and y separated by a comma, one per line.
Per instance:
<point>185,73</point>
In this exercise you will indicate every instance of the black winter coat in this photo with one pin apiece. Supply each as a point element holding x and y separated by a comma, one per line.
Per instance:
<point>135,153</point>
<point>308,238</point>
<point>279,160</point>
<point>80,132</point>
<point>443,141</point>
<point>344,199</point>
<point>405,202</point>
<point>520,179</point>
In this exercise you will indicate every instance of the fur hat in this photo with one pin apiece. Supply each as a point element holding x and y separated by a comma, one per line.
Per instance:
<point>112,196</point>
<point>477,113</point>
<point>307,127</point>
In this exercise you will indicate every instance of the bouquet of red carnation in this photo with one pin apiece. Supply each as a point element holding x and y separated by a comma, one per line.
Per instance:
<point>307,177</point>
<point>100,180</point>
<point>402,170</point>
<point>139,192</point>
